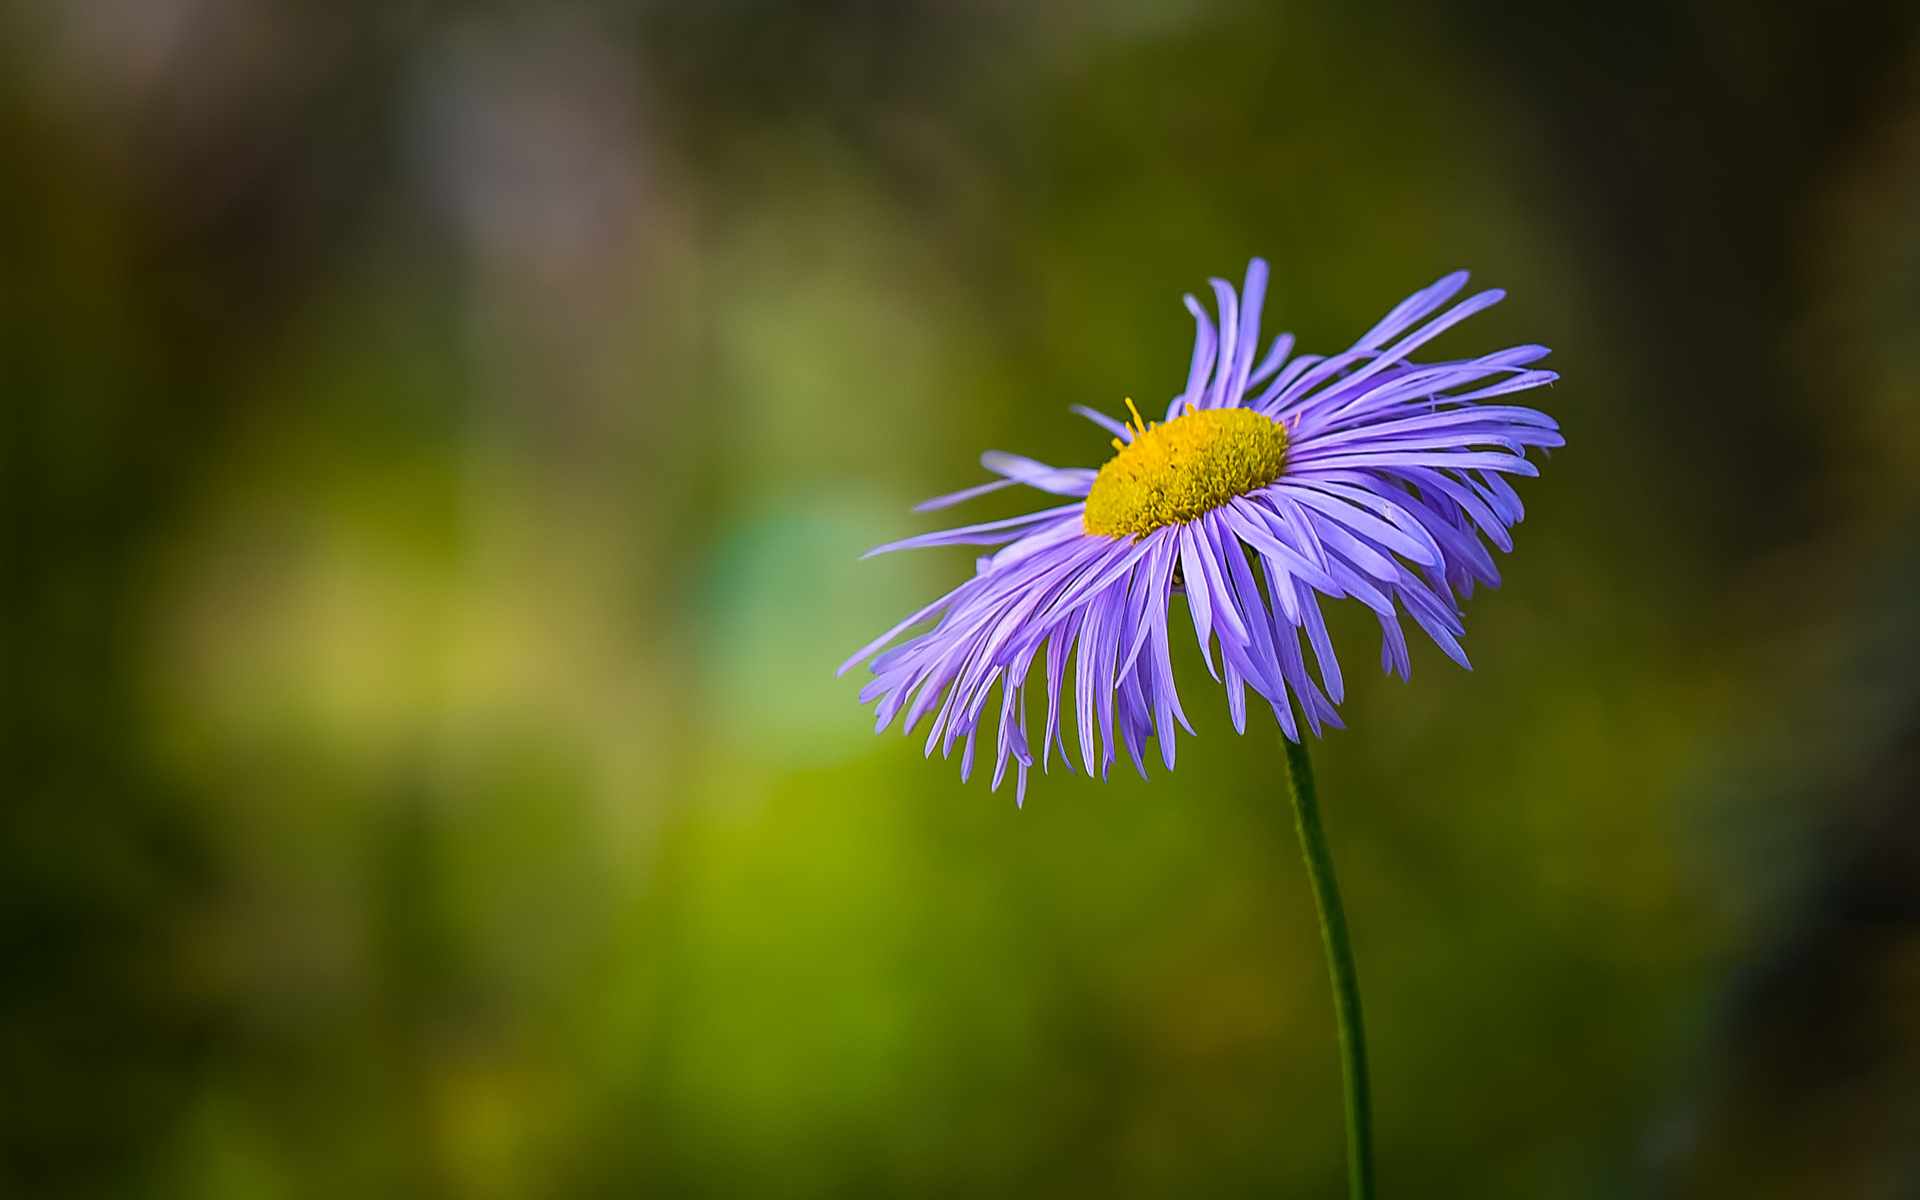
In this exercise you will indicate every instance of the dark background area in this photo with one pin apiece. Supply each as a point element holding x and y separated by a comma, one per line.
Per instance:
<point>435,440</point>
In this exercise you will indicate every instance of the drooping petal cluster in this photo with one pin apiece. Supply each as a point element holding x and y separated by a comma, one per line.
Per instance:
<point>1392,474</point>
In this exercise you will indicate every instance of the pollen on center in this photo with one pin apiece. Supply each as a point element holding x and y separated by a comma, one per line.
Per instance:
<point>1173,473</point>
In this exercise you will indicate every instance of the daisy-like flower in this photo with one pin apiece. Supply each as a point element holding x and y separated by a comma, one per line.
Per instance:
<point>1269,485</point>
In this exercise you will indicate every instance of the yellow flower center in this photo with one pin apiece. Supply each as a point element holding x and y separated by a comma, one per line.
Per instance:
<point>1172,473</point>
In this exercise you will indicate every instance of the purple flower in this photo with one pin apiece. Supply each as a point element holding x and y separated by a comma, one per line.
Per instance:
<point>1269,485</point>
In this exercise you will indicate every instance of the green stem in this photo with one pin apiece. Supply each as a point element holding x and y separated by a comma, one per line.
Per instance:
<point>1346,983</point>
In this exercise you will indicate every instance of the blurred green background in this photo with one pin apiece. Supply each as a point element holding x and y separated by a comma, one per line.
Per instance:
<point>436,438</point>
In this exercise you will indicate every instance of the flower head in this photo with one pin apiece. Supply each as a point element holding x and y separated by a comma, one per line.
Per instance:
<point>1362,475</point>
